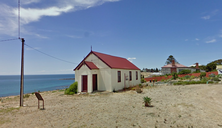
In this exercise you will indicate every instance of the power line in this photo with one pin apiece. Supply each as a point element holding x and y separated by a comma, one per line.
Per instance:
<point>19,19</point>
<point>49,55</point>
<point>8,40</point>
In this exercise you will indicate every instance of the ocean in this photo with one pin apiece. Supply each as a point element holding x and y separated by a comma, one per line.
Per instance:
<point>10,84</point>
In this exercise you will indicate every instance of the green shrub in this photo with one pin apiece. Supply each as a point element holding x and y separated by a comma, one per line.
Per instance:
<point>187,77</point>
<point>26,96</point>
<point>174,75</point>
<point>192,82</point>
<point>147,100</point>
<point>142,80</point>
<point>216,79</point>
<point>212,75</point>
<point>185,71</point>
<point>204,79</point>
<point>198,71</point>
<point>202,74</point>
<point>72,89</point>
<point>192,77</point>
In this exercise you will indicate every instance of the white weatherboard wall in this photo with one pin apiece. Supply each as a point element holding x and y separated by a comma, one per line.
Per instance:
<point>107,78</point>
<point>120,85</point>
<point>84,70</point>
<point>104,73</point>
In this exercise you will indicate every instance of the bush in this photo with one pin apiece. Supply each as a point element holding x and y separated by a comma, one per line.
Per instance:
<point>218,76</point>
<point>142,80</point>
<point>26,96</point>
<point>187,77</point>
<point>212,75</point>
<point>192,82</point>
<point>202,74</point>
<point>198,71</point>
<point>138,89</point>
<point>216,79</point>
<point>147,100</point>
<point>204,79</point>
<point>185,71</point>
<point>72,89</point>
<point>174,75</point>
<point>192,77</point>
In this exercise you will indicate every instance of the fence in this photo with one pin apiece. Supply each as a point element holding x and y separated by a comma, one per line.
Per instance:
<point>159,78</point>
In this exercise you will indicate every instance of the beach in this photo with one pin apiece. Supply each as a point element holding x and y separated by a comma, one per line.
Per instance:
<point>189,106</point>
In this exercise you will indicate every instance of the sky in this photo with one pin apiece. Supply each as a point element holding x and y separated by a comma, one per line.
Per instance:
<point>146,32</point>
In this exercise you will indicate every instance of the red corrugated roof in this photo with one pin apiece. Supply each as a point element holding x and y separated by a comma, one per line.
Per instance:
<point>112,61</point>
<point>91,65</point>
<point>176,65</point>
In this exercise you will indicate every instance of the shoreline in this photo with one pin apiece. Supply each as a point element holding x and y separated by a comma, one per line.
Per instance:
<point>31,93</point>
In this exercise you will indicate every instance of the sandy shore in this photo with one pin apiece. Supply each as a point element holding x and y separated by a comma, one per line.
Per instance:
<point>191,106</point>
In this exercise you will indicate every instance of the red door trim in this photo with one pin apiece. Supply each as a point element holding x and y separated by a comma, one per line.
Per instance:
<point>84,83</point>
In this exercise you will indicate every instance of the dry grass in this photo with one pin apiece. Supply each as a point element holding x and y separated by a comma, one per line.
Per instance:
<point>174,106</point>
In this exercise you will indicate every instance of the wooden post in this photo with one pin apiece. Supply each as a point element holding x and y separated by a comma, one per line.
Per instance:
<point>22,74</point>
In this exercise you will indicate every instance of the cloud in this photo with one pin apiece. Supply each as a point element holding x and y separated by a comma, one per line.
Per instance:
<point>186,40</point>
<point>206,17</point>
<point>210,14</point>
<point>9,14</point>
<point>197,39</point>
<point>131,59</point>
<point>41,36</point>
<point>26,2</point>
<point>211,41</point>
<point>73,36</point>
<point>32,15</point>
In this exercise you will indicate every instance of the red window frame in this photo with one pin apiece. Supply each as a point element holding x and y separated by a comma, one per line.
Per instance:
<point>119,76</point>
<point>130,75</point>
<point>136,75</point>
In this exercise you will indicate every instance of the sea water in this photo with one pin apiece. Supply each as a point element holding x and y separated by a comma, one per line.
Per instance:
<point>10,84</point>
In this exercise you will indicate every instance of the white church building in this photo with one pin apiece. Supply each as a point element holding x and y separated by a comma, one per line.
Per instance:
<point>102,72</point>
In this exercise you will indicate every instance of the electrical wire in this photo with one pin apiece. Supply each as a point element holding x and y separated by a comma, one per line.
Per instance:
<point>9,40</point>
<point>19,19</point>
<point>50,55</point>
<point>18,25</point>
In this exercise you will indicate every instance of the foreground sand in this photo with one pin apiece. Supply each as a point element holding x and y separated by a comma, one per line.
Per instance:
<point>197,106</point>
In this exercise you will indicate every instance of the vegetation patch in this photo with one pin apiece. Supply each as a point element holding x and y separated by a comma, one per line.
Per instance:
<point>8,110</point>
<point>192,82</point>
<point>72,89</point>
<point>26,96</point>
<point>185,71</point>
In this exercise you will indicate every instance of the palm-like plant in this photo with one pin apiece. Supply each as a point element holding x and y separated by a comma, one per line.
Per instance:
<point>147,101</point>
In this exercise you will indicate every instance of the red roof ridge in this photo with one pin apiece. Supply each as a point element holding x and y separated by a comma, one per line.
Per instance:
<point>114,62</point>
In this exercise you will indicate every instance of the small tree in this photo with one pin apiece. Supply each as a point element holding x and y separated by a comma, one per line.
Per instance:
<point>170,59</point>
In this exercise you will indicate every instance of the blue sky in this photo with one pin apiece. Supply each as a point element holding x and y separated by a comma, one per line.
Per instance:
<point>144,31</point>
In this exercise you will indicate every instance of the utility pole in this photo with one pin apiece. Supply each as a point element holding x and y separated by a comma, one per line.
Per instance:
<point>22,74</point>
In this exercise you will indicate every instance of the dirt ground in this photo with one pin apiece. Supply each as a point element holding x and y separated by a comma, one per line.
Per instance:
<point>190,106</point>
